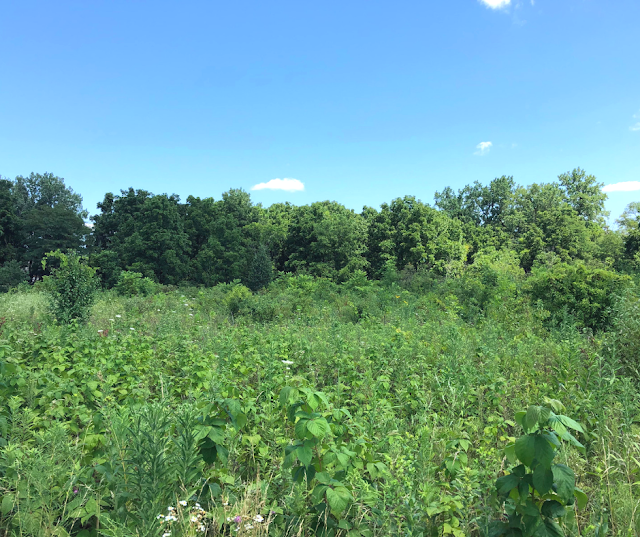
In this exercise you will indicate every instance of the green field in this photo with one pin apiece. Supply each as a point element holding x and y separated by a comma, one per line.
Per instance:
<point>408,389</point>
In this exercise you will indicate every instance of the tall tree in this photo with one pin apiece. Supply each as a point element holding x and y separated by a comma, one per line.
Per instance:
<point>146,232</point>
<point>10,227</point>
<point>51,217</point>
<point>411,233</point>
<point>326,239</point>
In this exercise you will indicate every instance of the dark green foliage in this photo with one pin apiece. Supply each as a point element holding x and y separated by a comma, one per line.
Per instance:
<point>147,234</point>
<point>408,232</point>
<point>71,285</point>
<point>230,238</point>
<point>11,275</point>
<point>10,225</point>
<point>107,265</point>
<point>261,269</point>
<point>538,492</point>
<point>50,217</point>
<point>325,239</point>
<point>586,293</point>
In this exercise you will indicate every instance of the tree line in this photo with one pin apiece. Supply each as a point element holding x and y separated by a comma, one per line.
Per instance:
<point>203,241</point>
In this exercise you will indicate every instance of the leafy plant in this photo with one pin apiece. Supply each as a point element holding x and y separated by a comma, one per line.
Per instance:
<point>72,286</point>
<point>537,493</point>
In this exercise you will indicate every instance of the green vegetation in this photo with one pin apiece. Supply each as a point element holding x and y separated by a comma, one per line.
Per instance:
<point>217,368</point>
<point>313,407</point>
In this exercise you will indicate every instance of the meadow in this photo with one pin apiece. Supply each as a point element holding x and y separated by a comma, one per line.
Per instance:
<point>310,407</point>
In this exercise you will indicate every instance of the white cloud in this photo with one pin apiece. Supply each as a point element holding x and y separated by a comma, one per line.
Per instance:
<point>496,4</point>
<point>635,127</point>
<point>288,185</point>
<point>89,224</point>
<point>624,186</point>
<point>483,148</point>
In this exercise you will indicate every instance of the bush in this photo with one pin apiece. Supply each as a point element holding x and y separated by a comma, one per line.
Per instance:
<point>135,284</point>
<point>237,298</point>
<point>71,285</point>
<point>624,337</point>
<point>588,294</point>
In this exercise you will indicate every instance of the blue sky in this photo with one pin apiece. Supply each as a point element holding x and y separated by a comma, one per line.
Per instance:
<point>359,101</point>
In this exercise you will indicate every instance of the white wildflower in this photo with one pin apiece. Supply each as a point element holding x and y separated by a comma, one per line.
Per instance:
<point>100,331</point>
<point>248,526</point>
<point>112,320</point>
<point>118,316</point>
<point>191,315</point>
<point>166,534</point>
<point>258,518</point>
<point>287,362</point>
<point>183,503</point>
<point>132,329</point>
<point>171,508</point>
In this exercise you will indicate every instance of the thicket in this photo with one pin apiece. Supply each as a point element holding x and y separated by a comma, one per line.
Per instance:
<point>318,408</point>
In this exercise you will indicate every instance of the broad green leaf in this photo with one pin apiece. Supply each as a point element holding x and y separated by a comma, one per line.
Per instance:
<point>544,452</point>
<point>520,417</point>
<point>284,395</point>
<point>525,448</point>
<point>557,425</point>
<point>290,460</point>
<point>572,424</point>
<point>506,483</point>
<point>301,428</point>
<point>564,480</point>
<point>323,477</point>
<point>528,508</point>
<point>338,499</point>
<point>318,427</point>
<point>7,503</point>
<point>542,479</point>
<point>553,509</point>
<point>581,498</point>
<point>556,405</point>
<point>568,437</point>
<point>305,455</point>
<point>343,524</point>
<point>530,421</point>
<point>552,529</point>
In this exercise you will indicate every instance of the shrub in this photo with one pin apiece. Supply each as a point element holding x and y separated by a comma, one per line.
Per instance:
<point>237,298</point>
<point>135,284</point>
<point>71,286</point>
<point>588,294</point>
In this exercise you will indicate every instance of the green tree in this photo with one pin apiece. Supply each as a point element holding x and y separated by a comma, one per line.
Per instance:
<point>10,226</point>
<point>261,269</point>
<point>229,227</point>
<point>584,194</point>
<point>411,233</point>
<point>326,239</point>
<point>51,217</point>
<point>146,232</point>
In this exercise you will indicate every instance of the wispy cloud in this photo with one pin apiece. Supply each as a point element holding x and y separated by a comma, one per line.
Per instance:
<point>496,4</point>
<point>483,148</point>
<point>288,185</point>
<point>635,127</point>
<point>624,186</point>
